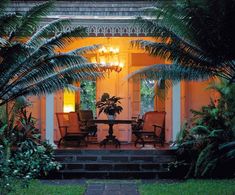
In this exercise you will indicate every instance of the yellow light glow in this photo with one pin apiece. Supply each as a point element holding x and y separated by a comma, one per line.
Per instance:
<point>69,102</point>
<point>109,59</point>
<point>121,65</point>
<point>116,50</point>
<point>103,49</point>
<point>93,60</point>
<point>69,108</point>
<point>102,60</point>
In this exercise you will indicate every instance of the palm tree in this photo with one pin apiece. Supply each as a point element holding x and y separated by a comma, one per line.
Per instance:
<point>30,63</point>
<point>195,35</point>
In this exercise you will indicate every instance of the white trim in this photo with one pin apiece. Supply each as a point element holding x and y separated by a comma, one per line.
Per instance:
<point>50,119</point>
<point>176,110</point>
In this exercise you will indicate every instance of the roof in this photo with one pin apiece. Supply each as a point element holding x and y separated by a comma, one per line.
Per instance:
<point>102,18</point>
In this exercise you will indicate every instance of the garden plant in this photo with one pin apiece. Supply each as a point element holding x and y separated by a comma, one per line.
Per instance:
<point>32,62</point>
<point>196,39</point>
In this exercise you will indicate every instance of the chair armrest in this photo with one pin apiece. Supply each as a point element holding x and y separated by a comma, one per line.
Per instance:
<point>155,126</point>
<point>66,128</point>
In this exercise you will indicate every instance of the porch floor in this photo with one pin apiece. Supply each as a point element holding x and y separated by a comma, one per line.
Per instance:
<point>124,146</point>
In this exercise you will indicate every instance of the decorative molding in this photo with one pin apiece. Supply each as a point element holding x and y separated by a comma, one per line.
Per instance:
<point>115,30</point>
<point>111,29</point>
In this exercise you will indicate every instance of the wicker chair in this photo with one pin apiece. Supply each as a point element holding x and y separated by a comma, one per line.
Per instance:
<point>150,129</point>
<point>70,128</point>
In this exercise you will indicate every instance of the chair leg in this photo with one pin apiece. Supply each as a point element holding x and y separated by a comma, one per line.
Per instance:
<point>60,141</point>
<point>84,141</point>
<point>139,140</point>
<point>162,142</point>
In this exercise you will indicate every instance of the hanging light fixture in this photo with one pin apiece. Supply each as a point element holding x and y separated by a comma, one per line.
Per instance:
<point>108,58</point>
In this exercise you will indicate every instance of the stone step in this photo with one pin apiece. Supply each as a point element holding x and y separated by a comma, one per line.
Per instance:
<point>109,152</point>
<point>115,166</point>
<point>112,163</point>
<point>115,158</point>
<point>75,174</point>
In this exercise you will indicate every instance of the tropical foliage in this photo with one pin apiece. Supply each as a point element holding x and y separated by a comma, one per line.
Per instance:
<point>196,36</point>
<point>31,61</point>
<point>147,95</point>
<point>88,95</point>
<point>23,155</point>
<point>208,146</point>
<point>109,105</point>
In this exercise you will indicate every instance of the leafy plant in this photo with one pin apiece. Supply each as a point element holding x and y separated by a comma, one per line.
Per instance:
<point>147,95</point>
<point>88,95</point>
<point>32,61</point>
<point>109,105</point>
<point>208,146</point>
<point>194,36</point>
<point>23,156</point>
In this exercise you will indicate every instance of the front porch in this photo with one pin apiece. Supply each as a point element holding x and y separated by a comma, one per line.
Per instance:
<point>178,102</point>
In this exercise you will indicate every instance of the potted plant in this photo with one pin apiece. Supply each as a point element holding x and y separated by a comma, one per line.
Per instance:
<point>109,105</point>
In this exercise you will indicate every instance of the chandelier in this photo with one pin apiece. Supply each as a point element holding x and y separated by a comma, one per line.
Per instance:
<point>108,58</point>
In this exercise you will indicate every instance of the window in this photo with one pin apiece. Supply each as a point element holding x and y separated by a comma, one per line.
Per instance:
<point>147,95</point>
<point>88,95</point>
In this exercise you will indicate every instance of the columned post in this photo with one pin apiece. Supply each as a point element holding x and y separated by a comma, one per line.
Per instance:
<point>176,115</point>
<point>50,119</point>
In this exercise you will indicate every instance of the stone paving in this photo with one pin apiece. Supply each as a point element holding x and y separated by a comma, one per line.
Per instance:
<point>112,188</point>
<point>108,186</point>
<point>100,186</point>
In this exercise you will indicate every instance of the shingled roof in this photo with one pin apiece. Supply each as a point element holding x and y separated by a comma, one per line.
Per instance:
<point>102,18</point>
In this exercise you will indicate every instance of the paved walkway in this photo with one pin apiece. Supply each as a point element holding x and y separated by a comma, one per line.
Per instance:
<point>112,188</point>
<point>101,186</point>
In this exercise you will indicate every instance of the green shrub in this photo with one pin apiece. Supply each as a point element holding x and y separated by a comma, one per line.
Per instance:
<point>208,147</point>
<point>23,156</point>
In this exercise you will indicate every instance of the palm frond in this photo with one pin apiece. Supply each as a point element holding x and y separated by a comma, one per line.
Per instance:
<point>203,159</point>
<point>85,50</point>
<point>9,23</point>
<point>175,53</point>
<point>173,72</point>
<point>227,147</point>
<point>172,17</point>
<point>38,74</point>
<point>56,26</point>
<point>3,42</point>
<point>60,80</point>
<point>35,67</point>
<point>31,19</point>
<point>3,4</point>
<point>200,130</point>
<point>190,33</point>
<point>161,32</point>
<point>63,38</point>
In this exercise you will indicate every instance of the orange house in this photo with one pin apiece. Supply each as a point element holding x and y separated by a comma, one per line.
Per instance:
<point>110,23</point>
